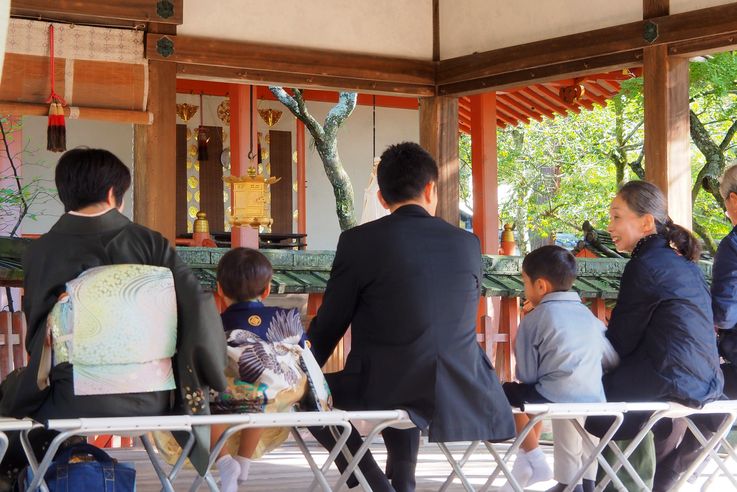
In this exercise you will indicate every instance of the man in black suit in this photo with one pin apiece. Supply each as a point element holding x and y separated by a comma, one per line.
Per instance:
<point>408,284</point>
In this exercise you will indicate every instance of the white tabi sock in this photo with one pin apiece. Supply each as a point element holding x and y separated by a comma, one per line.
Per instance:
<point>229,470</point>
<point>245,464</point>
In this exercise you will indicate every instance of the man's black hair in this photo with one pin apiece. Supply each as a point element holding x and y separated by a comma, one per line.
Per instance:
<point>404,171</point>
<point>84,176</point>
<point>244,274</point>
<point>552,263</point>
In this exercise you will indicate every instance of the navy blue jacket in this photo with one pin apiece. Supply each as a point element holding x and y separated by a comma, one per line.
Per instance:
<point>253,316</point>
<point>724,295</point>
<point>663,330</point>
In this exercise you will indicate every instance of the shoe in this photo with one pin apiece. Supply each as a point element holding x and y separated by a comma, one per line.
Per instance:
<point>560,487</point>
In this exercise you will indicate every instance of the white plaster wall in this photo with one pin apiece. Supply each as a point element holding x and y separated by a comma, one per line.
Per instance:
<point>679,6</point>
<point>468,26</point>
<point>38,163</point>
<point>387,27</point>
<point>355,148</point>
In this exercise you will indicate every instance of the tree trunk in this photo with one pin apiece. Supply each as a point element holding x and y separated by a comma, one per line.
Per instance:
<point>326,143</point>
<point>342,187</point>
<point>709,243</point>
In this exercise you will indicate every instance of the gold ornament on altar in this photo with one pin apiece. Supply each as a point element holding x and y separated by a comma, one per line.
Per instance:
<point>270,116</point>
<point>186,111</point>
<point>250,199</point>
<point>224,112</point>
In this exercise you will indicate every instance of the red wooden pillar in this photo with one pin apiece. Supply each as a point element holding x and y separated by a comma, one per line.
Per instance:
<point>598,307</point>
<point>243,130</point>
<point>484,170</point>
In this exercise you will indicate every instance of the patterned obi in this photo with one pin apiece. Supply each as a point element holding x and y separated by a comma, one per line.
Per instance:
<point>117,326</point>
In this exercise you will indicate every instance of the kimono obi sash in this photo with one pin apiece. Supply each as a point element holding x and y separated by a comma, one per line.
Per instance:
<point>117,326</point>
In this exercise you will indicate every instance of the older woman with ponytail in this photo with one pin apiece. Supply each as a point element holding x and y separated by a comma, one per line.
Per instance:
<point>662,325</point>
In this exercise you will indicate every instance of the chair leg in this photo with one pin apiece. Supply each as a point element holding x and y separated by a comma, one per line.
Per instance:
<point>709,449</point>
<point>163,478</point>
<point>456,466</point>
<point>466,456</point>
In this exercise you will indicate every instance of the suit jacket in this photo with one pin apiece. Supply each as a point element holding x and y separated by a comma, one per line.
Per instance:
<point>408,284</point>
<point>75,244</point>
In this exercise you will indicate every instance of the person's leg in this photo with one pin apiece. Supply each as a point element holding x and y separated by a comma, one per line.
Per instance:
<point>249,441</point>
<point>402,447</point>
<point>674,459</point>
<point>567,451</point>
<point>522,469</point>
<point>530,465</point>
<point>227,466</point>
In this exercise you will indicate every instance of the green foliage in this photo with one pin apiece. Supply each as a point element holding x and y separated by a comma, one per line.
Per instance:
<point>555,174</point>
<point>464,155</point>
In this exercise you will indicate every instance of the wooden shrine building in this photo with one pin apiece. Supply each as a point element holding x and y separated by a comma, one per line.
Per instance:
<point>467,65</point>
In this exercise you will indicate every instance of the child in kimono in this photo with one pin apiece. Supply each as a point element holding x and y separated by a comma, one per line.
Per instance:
<point>560,352</point>
<point>244,281</point>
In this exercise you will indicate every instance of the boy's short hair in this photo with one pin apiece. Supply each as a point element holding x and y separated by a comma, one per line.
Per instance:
<point>404,171</point>
<point>84,176</point>
<point>243,274</point>
<point>553,263</point>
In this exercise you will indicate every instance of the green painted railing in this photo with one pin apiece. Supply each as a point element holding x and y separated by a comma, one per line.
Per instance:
<point>308,271</point>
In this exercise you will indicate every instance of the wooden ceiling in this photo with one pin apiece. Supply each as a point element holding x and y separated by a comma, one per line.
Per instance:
<point>550,99</point>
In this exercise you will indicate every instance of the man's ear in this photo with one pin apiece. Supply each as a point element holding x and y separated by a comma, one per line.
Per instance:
<point>111,198</point>
<point>429,191</point>
<point>381,200</point>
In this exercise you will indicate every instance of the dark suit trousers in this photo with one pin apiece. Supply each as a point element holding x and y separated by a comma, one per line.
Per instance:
<point>402,446</point>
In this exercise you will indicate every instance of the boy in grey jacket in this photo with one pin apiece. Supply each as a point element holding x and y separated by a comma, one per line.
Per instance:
<point>561,353</point>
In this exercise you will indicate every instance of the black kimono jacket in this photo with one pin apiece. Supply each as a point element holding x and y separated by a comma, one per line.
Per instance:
<point>75,244</point>
<point>409,284</point>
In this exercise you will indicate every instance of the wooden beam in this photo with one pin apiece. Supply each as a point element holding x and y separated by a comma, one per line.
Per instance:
<point>381,101</point>
<point>555,97</point>
<point>439,136</point>
<point>502,107</point>
<point>532,105</point>
<point>81,113</point>
<point>258,57</point>
<point>623,38</point>
<point>513,103</point>
<point>704,46</point>
<point>548,73</point>
<point>154,204</point>
<point>265,77</point>
<point>667,138</point>
<point>96,12</point>
<point>543,101</point>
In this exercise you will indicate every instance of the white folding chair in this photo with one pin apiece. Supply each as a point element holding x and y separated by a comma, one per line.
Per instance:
<point>116,425</point>
<point>292,420</point>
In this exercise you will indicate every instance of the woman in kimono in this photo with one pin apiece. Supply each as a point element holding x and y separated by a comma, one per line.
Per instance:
<point>93,232</point>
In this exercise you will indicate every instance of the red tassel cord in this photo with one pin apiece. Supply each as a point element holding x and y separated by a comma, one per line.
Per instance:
<point>56,132</point>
